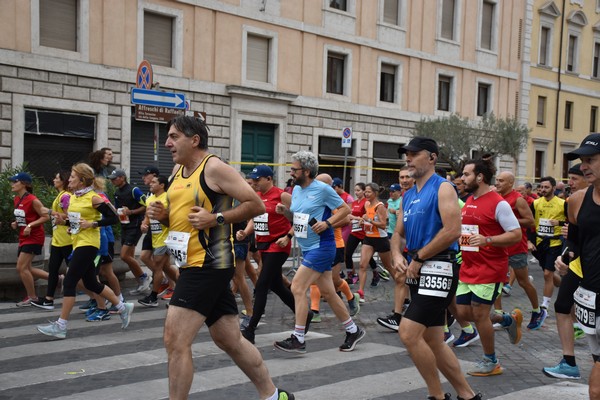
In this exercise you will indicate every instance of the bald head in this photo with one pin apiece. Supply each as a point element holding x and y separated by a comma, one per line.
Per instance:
<point>504,182</point>
<point>325,178</point>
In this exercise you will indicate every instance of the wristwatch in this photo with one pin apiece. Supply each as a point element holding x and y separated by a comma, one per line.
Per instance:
<point>488,241</point>
<point>95,224</point>
<point>328,223</point>
<point>415,256</point>
<point>290,236</point>
<point>220,219</point>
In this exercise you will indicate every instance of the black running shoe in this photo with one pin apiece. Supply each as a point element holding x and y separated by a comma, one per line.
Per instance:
<point>352,339</point>
<point>148,301</point>
<point>248,333</point>
<point>291,345</point>
<point>285,395</point>
<point>391,321</point>
<point>43,303</point>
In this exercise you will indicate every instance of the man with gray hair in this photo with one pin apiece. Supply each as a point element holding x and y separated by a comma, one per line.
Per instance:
<point>311,212</point>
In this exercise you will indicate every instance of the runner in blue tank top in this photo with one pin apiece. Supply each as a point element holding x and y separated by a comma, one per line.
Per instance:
<point>430,227</point>
<point>312,217</point>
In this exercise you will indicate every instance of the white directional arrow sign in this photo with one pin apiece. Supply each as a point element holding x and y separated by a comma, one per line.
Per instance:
<point>158,99</point>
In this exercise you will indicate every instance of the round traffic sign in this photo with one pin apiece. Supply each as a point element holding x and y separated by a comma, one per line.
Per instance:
<point>144,75</point>
<point>347,132</point>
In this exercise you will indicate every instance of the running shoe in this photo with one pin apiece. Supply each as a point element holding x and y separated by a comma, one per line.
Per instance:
<point>352,339</point>
<point>43,303</point>
<point>90,311</point>
<point>244,322</point>
<point>391,321</point>
<point>26,302</point>
<point>354,305</point>
<point>143,285</point>
<point>148,301</point>
<point>450,320</point>
<point>448,337</point>
<point>486,367</point>
<point>537,319</point>
<point>506,289</point>
<point>466,339</point>
<point>383,273</point>
<point>316,318</point>
<point>562,370</point>
<point>514,329</point>
<point>126,315</point>
<point>285,395</point>
<point>167,295</point>
<point>578,333</point>
<point>248,333</point>
<point>163,288</point>
<point>497,326</point>
<point>112,309</point>
<point>361,296</point>
<point>478,396</point>
<point>99,315</point>
<point>91,303</point>
<point>376,279</point>
<point>447,396</point>
<point>53,330</point>
<point>291,345</point>
<point>406,304</point>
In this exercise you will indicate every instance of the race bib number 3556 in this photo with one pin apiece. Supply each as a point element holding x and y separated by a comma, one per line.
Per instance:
<point>435,279</point>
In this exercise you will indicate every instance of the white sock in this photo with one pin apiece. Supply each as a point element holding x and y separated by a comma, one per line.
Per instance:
<point>546,301</point>
<point>274,396</point>
<point>121,306</point>
<point>62,323</point>
<point>121,297</point>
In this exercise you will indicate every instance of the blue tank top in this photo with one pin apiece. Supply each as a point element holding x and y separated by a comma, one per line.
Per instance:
<point>422,220</point>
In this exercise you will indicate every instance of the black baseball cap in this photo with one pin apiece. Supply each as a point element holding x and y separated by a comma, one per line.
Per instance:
<point>589,146</point>
<point>576,170</point>
<point>419,143</point>
<point>151,169</point>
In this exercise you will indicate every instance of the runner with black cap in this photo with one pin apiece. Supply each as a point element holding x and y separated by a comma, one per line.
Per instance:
<point>584,242</point>
<point>430,227</point>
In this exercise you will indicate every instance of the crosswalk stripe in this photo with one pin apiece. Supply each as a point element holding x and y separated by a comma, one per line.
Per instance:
<point>556,391</point>
<point>229,376</point>
<point>113,363</point>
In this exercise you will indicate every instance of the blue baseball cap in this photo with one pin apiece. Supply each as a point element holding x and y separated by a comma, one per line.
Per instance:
<point>395,188</point>
<point>337,182</point>
<point>260,171</point>
<point>21,177</point>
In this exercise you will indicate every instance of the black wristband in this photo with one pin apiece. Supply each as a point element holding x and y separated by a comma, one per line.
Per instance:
<point>290,236</point>
<point>415,256</point>
<point>328,223</point>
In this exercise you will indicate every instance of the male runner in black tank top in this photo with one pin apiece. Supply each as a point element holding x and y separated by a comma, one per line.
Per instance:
<point>584,240</point>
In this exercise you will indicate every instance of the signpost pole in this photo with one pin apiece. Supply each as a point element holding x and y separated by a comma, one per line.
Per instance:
<point>345,162</point>
<point>346,144</point>
<point>156,131</point>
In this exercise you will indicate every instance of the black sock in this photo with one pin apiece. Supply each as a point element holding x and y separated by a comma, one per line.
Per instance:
<point>570,360</point>
<point>397,316</point>
<point>153,295</point>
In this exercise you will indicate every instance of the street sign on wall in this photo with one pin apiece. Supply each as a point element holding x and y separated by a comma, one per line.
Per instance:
<point>144,75</point>
<point>161,115</point>
<point>158,99</point>
<point>347,138</point>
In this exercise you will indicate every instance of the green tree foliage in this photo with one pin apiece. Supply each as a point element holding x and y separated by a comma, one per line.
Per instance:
<point>457,136</point>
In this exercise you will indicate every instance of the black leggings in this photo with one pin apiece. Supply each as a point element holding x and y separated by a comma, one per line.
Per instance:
<point>270,278</point>
<point>568,285</point>
<point>82,267</point>
<point>351,246</point>
<point>57,256</point>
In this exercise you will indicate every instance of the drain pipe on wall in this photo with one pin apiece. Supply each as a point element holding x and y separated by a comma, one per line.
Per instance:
<point>559,76</point>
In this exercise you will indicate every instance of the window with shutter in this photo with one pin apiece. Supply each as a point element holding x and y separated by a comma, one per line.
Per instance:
<point>444,87</point>
<point>483,99</point>
<point>541,111</point>
<point>158,39</point>
<point>390,12</point>
<point>572,53</point>
<point>544,45</point>
<point>448,9</point>
<point>257,54</point>
<point>387,83</point>
<point>487,25</point>
<point>58,24</point>
<point>335,73</point>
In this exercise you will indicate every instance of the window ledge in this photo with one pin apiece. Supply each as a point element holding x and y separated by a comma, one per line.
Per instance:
<point>266,94</point>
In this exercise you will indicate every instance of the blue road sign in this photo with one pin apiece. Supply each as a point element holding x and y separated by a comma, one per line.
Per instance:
<point>158,99</point>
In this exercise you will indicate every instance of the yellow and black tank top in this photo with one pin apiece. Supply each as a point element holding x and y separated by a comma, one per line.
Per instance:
<point>82,207</point>
<point>60,233</point>
<point>209,248</point>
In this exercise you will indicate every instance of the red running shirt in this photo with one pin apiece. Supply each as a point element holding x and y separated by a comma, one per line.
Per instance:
<point>25,214</point>
<point>270,226</point>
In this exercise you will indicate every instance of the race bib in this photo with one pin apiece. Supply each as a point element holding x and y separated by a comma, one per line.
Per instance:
<point>261,225</point>
<point>466,232</point>
<point>585,309</point>
<point>53,222</point>
<point>545,228</point>
<point>301,225</point>
<point>155,227</point>
<point>368,227</point>
<point>74,222</point>
<point>435,279</point>
<point>177,242</point>
<point>20,217</point>
<point>356,226</point>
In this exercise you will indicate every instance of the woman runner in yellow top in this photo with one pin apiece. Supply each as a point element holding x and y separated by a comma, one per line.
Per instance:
<point>84,218</point>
